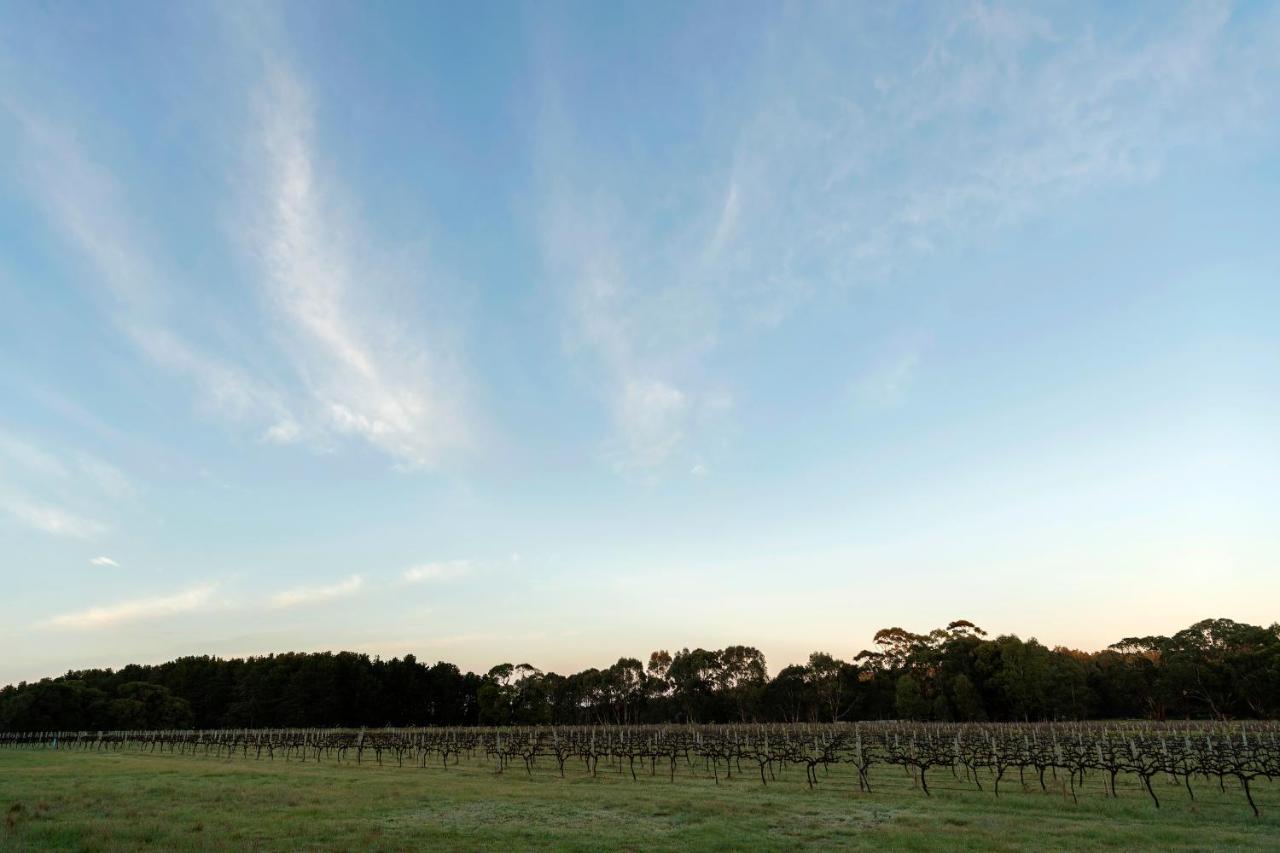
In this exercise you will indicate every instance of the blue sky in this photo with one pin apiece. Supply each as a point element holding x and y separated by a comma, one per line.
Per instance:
<point>562,332</point>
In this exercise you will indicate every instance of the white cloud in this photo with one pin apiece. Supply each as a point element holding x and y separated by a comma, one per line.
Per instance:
<point>57,492</point>
<point>31,458</point>
<point>836,166</point>
<point>726,226</point>
<point>224,389</point>
<point>317,594</point>
<point>137,610</point>
<point>639,340</point>
<point>104,561</point>
<point>441,571</point>
<point>285,432</point>
<point>76,468</point>
<point>368,373</point>
<point>987,117</point>
<point>86,205</point>
<point>884,382</point>
<point>353,362</point>
<point>652,417</point>
<point>107,479</point>
<point>52,519</point>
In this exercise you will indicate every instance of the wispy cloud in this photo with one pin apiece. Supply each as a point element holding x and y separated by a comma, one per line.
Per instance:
<point>651,415</point>
<point>32,458</point>
<point>316,594</point>
<point>368,374</point>
<point>86,205</point>
<point>285,432</point>
<point>837,167</point>
<point>884,383</point>
<point>75,467</point>
<point>727,224</point>
<point>441,571</point>
<point>986,117</point>
<point>641,341</point>
<point>107,479</point>
<point>104,561</point>
<point>57,491</point>
<point>52,519</point>
<point>136,610</point>
<point>329,358</point>
<point>886,378</point>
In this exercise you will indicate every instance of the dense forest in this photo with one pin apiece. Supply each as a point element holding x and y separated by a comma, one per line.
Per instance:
<point>1216,669</point>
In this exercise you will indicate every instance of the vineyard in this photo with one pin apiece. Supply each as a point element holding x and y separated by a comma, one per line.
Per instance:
<point>1076,760</point>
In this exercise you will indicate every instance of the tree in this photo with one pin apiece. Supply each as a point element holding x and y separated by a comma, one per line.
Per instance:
<point>1067,685</point>
<point>909,701</point>
<point>743,676</point>
<point>789,695</point>
<point>826,676</point>
<point>896,647</point>
<point>625,687</point>
<point>693,676</point>
<point>1214,668</point>
<point>139,705</point>
<point>966,700</point>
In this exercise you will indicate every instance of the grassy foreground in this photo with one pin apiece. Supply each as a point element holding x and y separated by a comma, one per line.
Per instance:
<point>87,801</point>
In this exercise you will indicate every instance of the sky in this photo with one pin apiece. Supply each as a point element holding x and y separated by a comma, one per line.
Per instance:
<point>559,332</point>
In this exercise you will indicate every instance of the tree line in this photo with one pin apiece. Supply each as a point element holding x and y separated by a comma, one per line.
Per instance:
<point>1214,669</point>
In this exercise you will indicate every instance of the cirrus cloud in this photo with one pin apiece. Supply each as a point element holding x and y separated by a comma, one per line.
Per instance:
<point>135,610</point>
<point>441,571</point>
<point>316,594</point>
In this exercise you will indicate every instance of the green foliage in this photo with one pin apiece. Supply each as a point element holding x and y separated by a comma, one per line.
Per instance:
<point>1216,668</point>
<point>139,705</point>
<point>909,700</point>
<point>966,700</point>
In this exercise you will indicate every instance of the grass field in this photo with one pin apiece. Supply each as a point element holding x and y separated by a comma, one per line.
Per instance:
<point>109,801</point>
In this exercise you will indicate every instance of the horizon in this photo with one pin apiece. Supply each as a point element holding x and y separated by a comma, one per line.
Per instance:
<point>551,333</point>
<point>771,671</point>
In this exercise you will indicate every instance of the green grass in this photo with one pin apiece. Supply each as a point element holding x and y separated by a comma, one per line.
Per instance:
<point>104,801</point>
